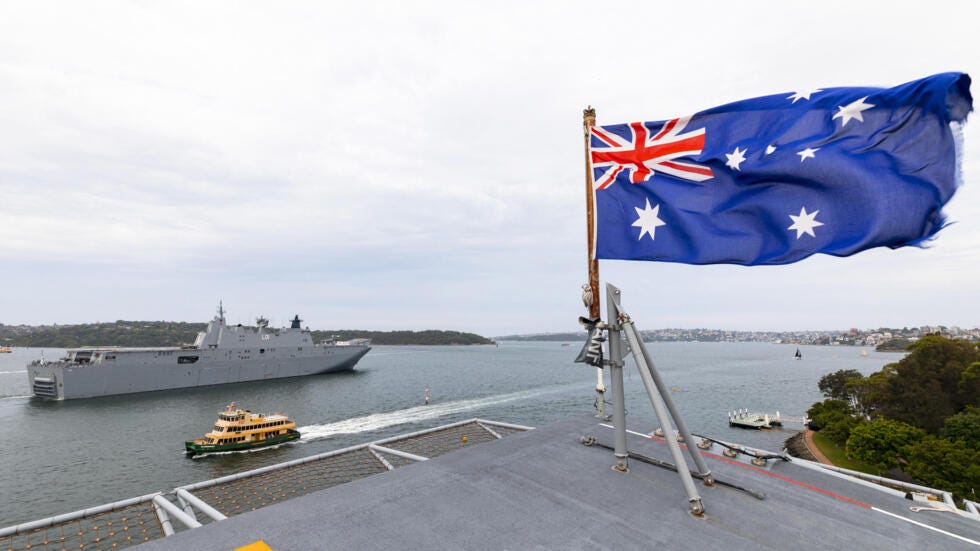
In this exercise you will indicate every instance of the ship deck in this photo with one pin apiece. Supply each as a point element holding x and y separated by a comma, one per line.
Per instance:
<point>544,489</point>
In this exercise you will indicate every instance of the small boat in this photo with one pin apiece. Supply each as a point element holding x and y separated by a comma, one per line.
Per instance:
<point>798,355</point>
<point>5,350</point>
<point>239,429</point>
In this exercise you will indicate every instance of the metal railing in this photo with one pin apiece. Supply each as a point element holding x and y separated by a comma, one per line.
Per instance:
<point>132,521</point>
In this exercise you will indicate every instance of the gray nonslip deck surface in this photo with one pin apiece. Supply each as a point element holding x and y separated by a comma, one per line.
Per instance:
<point>544,489</point>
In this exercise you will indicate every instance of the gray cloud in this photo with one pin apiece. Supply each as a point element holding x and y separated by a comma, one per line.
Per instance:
<point>388,166</point>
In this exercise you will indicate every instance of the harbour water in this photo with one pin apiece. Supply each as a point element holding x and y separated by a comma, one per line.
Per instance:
<point>63,456</point>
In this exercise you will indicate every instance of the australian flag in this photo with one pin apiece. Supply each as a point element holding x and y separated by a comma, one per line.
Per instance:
<point>773,180</point>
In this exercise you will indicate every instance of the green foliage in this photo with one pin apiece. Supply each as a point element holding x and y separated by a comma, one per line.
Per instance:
<point>834,385</point>
<point>838,456</point>
<point>871,391</point>
<point>883,443</point>
<point>925,388</point>
<point>895,345</point>
<point>428,337</point>
<point>946,464</point>
<point>167,333</point>
<point>834,419</point>
<point>925,412</point>
<point>964,426</point>
<point>969,384</point>
<point>118,333</point>
<point>820,412</point>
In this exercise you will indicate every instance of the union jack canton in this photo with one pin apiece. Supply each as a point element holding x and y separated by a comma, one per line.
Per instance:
<point>640,155</point>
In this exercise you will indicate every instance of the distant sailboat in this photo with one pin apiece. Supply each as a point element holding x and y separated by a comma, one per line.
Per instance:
<point>864,352</point>
<point>798,355</point>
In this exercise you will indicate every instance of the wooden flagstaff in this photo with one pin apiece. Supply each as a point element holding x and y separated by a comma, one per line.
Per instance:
<point>588,121</point>
<point>590,291</point>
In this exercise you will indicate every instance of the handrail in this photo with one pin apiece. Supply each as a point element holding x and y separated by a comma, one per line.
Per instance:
<point>74,515</point>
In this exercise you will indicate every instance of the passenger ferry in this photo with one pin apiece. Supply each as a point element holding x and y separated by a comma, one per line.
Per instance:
<point>239,429</point>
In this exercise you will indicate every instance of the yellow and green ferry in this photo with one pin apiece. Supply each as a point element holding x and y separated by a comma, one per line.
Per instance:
<point>239,429</point>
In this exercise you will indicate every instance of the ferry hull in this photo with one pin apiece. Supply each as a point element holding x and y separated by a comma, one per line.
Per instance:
<point>150,371</point>
<point>192,447</point>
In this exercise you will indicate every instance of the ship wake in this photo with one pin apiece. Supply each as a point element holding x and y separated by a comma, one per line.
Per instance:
<point>377,421</point>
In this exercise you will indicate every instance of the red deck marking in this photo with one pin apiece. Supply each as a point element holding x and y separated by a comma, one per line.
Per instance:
<point>787,479</point>
<point>765,472</point>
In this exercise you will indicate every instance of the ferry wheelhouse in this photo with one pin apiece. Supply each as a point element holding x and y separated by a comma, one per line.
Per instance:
<point>239,429</point>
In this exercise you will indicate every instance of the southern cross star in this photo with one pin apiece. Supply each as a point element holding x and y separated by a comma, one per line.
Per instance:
<point>803,94</point>
<point>735,158</point>
<point>808,153</point>
<point>648,220</point>
<point>804,223</point>
<point>852,111</point>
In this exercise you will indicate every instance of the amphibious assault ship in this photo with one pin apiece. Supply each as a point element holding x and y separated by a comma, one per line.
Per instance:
<point>221,354</point>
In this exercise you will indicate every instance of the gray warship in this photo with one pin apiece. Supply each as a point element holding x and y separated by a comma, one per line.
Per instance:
<point>221,354</point>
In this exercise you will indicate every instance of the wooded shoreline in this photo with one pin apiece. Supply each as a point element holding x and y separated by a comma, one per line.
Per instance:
<point>169,333</point>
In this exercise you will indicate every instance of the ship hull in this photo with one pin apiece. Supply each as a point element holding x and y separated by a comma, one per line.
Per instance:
<point>194,448</point>
<point>154,370</point>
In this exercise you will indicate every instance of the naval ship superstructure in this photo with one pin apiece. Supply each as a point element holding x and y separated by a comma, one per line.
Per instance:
<point>221,354</point>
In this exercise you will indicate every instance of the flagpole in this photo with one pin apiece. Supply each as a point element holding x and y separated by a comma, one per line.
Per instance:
<point>592,287</point>
<point>588,121</point>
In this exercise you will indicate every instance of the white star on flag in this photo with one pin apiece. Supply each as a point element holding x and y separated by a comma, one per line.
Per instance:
<point>803,94</point>
<point>735,158</point>
<point>648,220</point>
<point>770,149</point>
<point>804,223</point>
<point>808,153</point>
<point>852,111</point>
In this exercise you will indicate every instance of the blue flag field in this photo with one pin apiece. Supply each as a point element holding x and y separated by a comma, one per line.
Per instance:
<point>773,180</point>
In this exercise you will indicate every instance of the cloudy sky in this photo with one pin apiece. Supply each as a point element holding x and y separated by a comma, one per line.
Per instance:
<point>403,165</point>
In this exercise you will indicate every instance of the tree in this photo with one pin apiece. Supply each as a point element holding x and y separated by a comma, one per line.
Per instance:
<point>833,418</point>
<point>834,385</point>
<point>870,392</point>
<point>963,427</point>
<point>946,465</point>
<point>969,384</point>
<point>925,387</point>
<point>883,443</point>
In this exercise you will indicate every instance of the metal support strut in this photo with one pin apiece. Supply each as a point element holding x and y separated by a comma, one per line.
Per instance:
<point>616,381</point>
<point>659,398</point>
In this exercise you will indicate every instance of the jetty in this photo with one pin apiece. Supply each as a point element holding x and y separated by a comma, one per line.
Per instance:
<point>746,419</point>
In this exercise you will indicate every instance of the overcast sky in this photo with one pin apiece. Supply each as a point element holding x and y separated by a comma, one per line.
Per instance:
<point>416,165</point>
